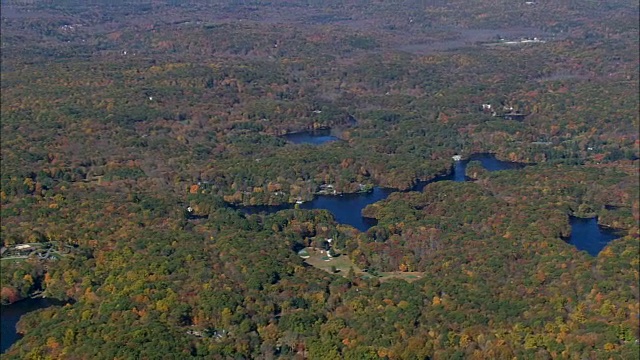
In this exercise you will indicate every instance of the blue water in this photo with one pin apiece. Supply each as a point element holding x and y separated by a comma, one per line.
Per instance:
<point>10,315</point>
<point>490,163</point>
<point>588,236</point>
<point>317,137</point>
<point>347,209</point>
<point>459,169</point>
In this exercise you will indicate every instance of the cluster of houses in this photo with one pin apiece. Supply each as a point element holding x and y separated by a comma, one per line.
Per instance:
<point>507,112</point>
<point>21,250</point>
<point>326,249</point>
<point>67,27</point>
<point>327,189</point>
<point>216,334</point>
<point>24,251</point>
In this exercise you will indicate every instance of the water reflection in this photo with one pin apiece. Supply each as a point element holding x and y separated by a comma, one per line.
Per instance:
<point>317,137</point>
<point>459,168</point>
<point>587,235</point>
<point>347,208</point>
<point>10,315</point>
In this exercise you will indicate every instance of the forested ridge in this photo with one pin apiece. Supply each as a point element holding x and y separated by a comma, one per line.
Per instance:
<point>117,117</point>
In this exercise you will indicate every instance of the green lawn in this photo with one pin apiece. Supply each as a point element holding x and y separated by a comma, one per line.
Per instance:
<point>342,263</point>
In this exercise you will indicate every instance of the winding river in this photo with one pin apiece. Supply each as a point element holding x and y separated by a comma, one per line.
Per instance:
<point>586,235</point>
<point>347,208</point>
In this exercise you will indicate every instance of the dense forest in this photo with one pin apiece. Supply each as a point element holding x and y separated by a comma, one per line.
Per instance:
<point>134,133</point>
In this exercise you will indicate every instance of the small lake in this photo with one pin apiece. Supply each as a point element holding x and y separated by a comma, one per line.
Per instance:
<point>459,169</point>
<point>587,235</point>
<point>490,163</point>
<point>347,208</point>
<point>10,315</point>
<point>317,137</point>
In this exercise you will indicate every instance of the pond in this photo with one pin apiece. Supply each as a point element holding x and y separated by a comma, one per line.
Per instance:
<point>347,208</point>
<point>490,163</point>
<point>459,168</point>
<point>587,235</point>
<point>317,137</point>
<point>10,315</point>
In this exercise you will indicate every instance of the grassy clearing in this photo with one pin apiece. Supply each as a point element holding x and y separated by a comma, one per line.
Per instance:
<point>342,264</point>
<point>406,276</point>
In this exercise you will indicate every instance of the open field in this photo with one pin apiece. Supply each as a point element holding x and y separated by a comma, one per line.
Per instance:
<point>317,258</point>
<point>342,263</point>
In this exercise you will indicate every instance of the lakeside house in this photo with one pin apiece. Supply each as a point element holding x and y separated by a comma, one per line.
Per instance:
<point>327,189</point>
